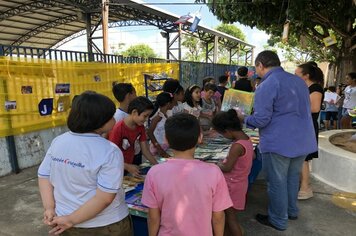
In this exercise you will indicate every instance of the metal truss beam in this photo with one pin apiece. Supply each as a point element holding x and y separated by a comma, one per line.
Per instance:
<point>29,6</point>
<point>44,27</point>
<point>111,25</point>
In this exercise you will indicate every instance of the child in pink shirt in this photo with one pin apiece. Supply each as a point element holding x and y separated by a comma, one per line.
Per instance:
<point>236,166</point>
<point>185,196</point>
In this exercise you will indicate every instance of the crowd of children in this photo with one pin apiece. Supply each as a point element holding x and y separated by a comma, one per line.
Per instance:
<point>80,178</point>
<point>77,172</point>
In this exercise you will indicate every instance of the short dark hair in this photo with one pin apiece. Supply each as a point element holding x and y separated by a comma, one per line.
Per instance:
<point>242,71</point>
<point>226,120</point>
<point>223,78</point>
<point>313,63</point>
<point>120,90</point>
<point>162,99</point>
<point>209,86</point>
<point>172,86</point>
<point>140,104</point>
<point>268,59</point>
<point>207,79</point>
<point>332,89</point>
<point>90,111</point>
<point>352,75</point>
<point>182,131</point>
<point>315,73</point>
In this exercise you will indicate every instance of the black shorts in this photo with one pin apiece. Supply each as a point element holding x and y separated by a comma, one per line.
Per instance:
<point>331,114</point>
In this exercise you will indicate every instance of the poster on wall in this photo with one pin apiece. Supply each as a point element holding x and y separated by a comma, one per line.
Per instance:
<point>62,89</point>
<point>63,103</point>
<point>26,89</point>
<point>45,107</point>
<point>97,78</point>
<point>10,105</point>
<point>239,100</point>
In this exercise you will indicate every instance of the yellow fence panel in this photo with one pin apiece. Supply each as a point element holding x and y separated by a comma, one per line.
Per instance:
<point>29,86</point>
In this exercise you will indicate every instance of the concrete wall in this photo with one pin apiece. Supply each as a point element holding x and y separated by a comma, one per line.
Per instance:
<point>30,148</point>
<point>5,167</point>
<point>335,166</point>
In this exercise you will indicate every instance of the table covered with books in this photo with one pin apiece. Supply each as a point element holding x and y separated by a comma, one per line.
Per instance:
<point>213,149</point>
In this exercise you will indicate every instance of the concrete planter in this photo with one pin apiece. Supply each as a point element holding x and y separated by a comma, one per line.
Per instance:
<point>335,166</point>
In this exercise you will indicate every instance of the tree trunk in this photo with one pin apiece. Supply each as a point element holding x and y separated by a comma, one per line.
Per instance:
<point>346,62</point>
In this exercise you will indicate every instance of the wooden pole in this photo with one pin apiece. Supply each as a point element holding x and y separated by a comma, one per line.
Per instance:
<point>105,14</point>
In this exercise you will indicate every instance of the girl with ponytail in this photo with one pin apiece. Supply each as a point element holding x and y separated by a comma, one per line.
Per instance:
<point>164,102</point>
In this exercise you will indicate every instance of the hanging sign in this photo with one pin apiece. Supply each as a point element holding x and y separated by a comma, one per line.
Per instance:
<point>328,41</point>
<point>183,19</point>
<point>195,24</point>
<point>285,31</point>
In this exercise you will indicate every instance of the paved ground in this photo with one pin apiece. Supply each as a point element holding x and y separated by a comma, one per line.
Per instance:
<point>21,210</point>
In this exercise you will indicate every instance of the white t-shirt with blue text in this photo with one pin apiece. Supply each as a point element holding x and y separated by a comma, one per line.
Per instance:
<point>76,165</point>
<point>120,115</point>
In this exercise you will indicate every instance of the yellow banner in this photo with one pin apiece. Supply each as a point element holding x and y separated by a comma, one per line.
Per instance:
<point>36,94</point>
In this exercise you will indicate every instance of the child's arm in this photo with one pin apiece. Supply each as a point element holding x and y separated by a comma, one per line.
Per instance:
<point>153,220</point>
<point>235,152</point>
<point>153,138</point>
<point>46,191</point>
<point>146,152</point>
<point>132,169</point>
<point>218,221</point>
<point>218,105</point>
<point>89,210</point>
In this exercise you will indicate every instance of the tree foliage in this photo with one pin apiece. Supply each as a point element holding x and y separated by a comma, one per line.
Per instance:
<point>232,30</point>
<point>310,20</point>
<point>140,50</point>
<point>196,48</point>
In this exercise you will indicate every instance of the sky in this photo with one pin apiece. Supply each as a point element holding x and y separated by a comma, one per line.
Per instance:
<point>151,35</point>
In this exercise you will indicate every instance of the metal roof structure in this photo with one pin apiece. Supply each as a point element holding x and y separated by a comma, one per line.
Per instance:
<point>51,23</point>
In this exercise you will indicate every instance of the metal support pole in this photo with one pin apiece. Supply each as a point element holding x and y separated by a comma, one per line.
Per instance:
<point>89,39</point>
<point>207,52</point>
<point>180,42</point>
<point>230,56</point>
<point>10,141</point>
<point>105,28</point>
<point>252,56</point>
<point>167,46</point>
<point>215,56</point>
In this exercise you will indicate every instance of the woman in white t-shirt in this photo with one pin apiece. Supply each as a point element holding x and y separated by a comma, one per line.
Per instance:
<point>349,101</point>
<point>80,178</point>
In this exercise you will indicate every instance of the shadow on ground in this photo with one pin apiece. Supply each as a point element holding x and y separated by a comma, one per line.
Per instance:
<point>21,210</point>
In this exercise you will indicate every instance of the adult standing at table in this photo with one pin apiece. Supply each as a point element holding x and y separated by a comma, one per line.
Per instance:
<point>314,78</point>
<point>282,115</point>
<point>243,83</point>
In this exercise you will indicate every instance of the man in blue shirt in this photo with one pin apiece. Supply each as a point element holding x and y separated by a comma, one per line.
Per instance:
<point>282,115</point>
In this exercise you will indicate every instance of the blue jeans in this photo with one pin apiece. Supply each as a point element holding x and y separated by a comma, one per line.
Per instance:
<point>282,175</point>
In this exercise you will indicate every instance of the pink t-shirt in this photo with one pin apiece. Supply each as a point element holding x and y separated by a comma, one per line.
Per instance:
<point>186,192</point>
<point>237,178</point>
